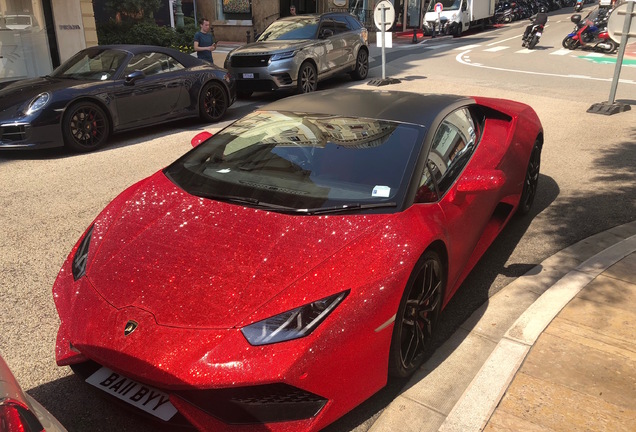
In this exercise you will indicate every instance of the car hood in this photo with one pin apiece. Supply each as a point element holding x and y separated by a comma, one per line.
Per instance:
<point>21,92</point>
<point>271,47</point>
<point>194,262</point>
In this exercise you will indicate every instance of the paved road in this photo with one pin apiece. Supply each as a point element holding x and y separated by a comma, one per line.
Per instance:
<point>48,199</point>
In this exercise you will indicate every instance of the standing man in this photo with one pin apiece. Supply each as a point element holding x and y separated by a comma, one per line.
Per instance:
<point>204,42</point>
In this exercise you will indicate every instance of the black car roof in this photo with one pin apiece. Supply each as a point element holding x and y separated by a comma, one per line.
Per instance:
<point>185,59</point>
<point>376,104</point>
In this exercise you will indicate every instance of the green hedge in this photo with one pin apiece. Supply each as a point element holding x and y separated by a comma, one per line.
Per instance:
<point>148,33</point>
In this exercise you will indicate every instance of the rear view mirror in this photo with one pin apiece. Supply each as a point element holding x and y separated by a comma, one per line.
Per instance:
<point>200,137</point>
<point>326,33</point>
<point>134,76</point>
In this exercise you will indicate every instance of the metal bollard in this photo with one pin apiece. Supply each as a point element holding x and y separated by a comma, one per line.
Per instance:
<point>414,35</point>
<point>248,36</point>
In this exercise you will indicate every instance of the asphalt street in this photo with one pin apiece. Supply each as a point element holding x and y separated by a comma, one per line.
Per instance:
<point>587,183</point>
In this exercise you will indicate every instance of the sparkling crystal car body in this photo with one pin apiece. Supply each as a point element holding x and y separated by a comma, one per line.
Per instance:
<point>274,276</point>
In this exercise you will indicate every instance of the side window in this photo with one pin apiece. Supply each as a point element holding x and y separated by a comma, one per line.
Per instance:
<point>341,25</point>
<point>426,191</point>
<point>174,65</point>
<point>149,63</point>
<point>453,145</point>
<point>353,23</point>
<point>326,27</point>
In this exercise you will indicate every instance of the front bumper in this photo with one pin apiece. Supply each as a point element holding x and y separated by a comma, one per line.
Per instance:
<point>277,75</point>
<point>214,378</point>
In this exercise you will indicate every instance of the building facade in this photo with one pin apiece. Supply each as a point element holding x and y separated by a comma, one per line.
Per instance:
<point>37,35</point>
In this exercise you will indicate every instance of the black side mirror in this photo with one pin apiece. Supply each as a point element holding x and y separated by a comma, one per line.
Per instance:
<point>326,33</point>
<point>134,76</point>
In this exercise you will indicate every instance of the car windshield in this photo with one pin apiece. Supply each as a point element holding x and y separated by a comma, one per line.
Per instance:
<point>311,163</point>
<point>93,64</point>
<point>299,28</point>
<point>447,5</point>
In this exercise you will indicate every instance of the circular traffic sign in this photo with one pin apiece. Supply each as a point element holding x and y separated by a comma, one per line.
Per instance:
<point>389,15</point>
<point>616,21</point>
<point>439,7</point>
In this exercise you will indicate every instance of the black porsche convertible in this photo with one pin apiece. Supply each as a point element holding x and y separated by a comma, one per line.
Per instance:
<point>107,89</point>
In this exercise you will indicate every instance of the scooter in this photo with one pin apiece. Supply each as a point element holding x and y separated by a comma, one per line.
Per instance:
<point>531,40</point>
<point>578,6</point>
<point>588,34</point>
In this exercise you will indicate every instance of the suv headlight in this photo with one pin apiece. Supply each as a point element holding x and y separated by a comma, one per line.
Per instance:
<point>81,255</point>
<point>37,103</point>
<point>293,324</point>
<point>283,55</point>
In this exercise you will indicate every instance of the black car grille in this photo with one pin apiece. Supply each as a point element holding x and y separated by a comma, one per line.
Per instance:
<point>12,133</point>
<point>250,61</point>
<point>256,404</point>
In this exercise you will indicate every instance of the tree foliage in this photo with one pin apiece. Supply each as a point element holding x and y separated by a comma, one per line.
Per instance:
<point>134,9</point>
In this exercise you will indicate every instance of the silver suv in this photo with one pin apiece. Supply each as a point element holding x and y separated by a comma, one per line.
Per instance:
<point>296,52</point>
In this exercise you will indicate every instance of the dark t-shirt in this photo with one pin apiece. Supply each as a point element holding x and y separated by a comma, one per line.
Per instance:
<point>205,40</point>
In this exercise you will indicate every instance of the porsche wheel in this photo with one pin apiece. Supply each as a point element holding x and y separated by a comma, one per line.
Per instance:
<point>85,127</point>
<point>213,102</point>
<point>362,65</point>
<point>531,181</point>
<point>307,78</point>
<point>417,316</point>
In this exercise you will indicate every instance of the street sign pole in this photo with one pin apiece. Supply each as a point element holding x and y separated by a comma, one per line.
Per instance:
<point>611,106</point>
<point>383,16</point>
<point>383,43</point>
<point>621,50</point>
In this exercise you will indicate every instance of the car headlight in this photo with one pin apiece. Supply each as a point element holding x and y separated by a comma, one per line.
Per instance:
<point>81,256</point>
<point>283,55</point>
<point>292,324</point>
<point>37,103</point>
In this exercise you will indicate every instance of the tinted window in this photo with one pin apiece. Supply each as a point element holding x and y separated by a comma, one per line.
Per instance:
<point>93,64</point>
<point>452,147</point>
<point>300,28</point>
<point>152,64</point>
<point>353,23</point>
<point>341,25</point>
<point>303,160</point>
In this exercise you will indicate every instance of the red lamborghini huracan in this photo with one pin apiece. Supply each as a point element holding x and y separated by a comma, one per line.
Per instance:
<point>274,276</point>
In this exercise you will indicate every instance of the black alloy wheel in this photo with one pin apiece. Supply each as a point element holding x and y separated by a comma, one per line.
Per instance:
<point>531,181</point>
<point>85,127</point>
<point>213,102</point>
<point>417,316</point>
<point>307,78</point>
<point>362,65</point>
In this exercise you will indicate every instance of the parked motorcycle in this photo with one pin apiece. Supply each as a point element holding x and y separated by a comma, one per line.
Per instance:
<point>531,40</point>
<point>589,33</point>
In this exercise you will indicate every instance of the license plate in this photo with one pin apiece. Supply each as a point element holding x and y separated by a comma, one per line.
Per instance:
<point>142,396</point>
<point>248,75</point>
<point>538,34</point>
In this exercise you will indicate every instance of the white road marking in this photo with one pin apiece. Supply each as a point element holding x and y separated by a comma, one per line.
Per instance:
<point>504,40</point>
<point>497,48</point>
<point>433,47</point>
<point>595,55</point>
<point>561,52</point>
<point>524,51</point>
<point>461,60</point>
<point>467,47</point>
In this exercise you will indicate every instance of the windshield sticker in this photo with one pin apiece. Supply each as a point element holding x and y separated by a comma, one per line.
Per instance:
<point>224,171</point>
<point>381,191</point>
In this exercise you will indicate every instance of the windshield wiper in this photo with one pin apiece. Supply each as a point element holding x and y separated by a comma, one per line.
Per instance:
<point>346,207</point>
<point>253,202</point>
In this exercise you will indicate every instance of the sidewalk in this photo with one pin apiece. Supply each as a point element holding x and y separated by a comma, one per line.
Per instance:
<point>553,351</point>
